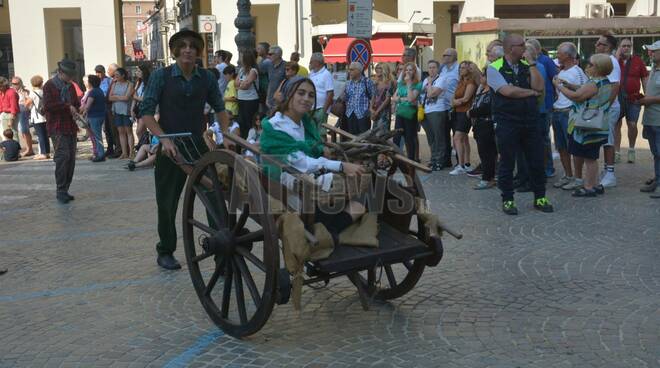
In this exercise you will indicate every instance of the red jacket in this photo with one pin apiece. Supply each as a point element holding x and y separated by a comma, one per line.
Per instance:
<point>58,115</point>
<point>9,101</point>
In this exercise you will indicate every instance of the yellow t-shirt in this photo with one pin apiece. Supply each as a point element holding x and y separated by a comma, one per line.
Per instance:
<point>302,71</point>
<point>230,91</point>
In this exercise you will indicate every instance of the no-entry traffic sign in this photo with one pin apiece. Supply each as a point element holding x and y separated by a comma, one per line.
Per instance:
<point>359,50</point>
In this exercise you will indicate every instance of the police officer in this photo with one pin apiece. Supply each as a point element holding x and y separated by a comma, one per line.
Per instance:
<point>518,84</point>
<point>180,91</point>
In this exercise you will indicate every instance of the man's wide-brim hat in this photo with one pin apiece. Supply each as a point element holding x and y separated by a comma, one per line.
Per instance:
<point>184,33</point>
<point>67,67</point>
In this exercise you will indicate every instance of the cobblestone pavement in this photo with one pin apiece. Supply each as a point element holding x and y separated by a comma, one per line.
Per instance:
<point>576,288</point>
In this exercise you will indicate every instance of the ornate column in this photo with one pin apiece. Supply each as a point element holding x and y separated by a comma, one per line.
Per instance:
<point>244,39</point>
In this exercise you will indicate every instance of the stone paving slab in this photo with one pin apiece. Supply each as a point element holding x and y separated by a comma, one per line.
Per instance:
<point>576,288</point>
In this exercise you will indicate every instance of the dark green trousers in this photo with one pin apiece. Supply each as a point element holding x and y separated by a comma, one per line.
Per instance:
<point>170,181</point>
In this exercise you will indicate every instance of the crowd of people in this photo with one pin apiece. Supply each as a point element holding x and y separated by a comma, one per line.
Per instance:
<point>511,104</point>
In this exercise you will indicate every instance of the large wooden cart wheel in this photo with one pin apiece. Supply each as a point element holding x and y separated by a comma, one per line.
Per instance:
<point>391,281</point>
<point>230,243</point>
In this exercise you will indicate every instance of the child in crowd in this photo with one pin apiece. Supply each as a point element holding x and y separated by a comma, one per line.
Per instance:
<point>213,136</point>
<point>145,156</point>
<point>231,103</point>
<point>10,148</point>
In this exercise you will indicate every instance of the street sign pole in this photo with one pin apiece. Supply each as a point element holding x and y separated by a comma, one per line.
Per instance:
<point>358,23</point>
<point>359,18</point>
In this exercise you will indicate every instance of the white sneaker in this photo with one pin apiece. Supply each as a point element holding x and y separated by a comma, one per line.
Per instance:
<point>563,181</point>
<point>608,180</point>
<point>573,184</point>
<point>458,170</point>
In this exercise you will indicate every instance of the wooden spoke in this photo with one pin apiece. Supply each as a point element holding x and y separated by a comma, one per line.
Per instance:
<point>201,257</point>
<point>242,219</point>
<point>249,281</point>
<point>226,293</point>
<point>202,226</point>
<point>217,189</point>
<point>390,276</point>
<point>210,209</point>
<point>251,257</point>
<point>240,297</point>
<point>251,237</point>
<point>213,280</point>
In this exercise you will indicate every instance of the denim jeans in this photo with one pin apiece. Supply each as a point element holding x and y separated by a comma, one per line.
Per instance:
<point>524,137</point>
<point>42,133</point>
<point>652,133</point>
<point>96,125</point>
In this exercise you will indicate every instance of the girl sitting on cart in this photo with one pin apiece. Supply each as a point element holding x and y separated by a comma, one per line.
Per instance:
<point>291,136</point>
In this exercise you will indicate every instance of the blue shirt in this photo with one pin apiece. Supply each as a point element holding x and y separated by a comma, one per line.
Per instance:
<point>156,84</point>
<point>105,85</point>
<point>357,97</point>
<point>543,108</point>
<point>448,83</point>
<point>550,72</point>
<point>97,110</point>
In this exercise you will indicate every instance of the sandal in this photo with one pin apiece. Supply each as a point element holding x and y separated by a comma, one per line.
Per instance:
<point>581,192</point>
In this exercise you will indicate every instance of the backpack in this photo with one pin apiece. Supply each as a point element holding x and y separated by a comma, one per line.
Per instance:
<point>40,105</point>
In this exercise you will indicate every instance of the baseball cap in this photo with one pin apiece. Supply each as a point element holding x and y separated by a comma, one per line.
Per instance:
<point>654,46</point>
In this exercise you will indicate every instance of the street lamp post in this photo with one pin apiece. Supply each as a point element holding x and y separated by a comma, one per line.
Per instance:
<point>244,39</point>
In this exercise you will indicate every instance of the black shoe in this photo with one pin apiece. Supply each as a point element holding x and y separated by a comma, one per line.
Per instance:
<point>599,189</point>
<point>98,159</point>
<point>130,165</point>
<point>542,204</point>
<point>509,207</point>
<point>168,262</point>
<point>62,198</point>
<point>71,198</point>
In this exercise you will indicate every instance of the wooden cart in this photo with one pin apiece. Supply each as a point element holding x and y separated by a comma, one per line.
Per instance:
<point>239,244</point>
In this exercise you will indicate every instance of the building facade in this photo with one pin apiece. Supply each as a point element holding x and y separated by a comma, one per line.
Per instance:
<point>134,15</point>
<point>45,31</point>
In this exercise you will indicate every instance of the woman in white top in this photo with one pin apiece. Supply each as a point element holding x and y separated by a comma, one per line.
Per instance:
<point>37,118</point>
<point>120,96</point>
<point>247,95</point>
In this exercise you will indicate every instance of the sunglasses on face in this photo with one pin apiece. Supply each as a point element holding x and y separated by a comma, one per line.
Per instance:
<point>601,44</point>
<point>519,45</point>
<point>446,55</point>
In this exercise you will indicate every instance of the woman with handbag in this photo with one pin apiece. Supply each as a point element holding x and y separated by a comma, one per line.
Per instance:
<point>484,133</point>
<point>380,104</point>
<point>407,92</point>
<point>588,121</point>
